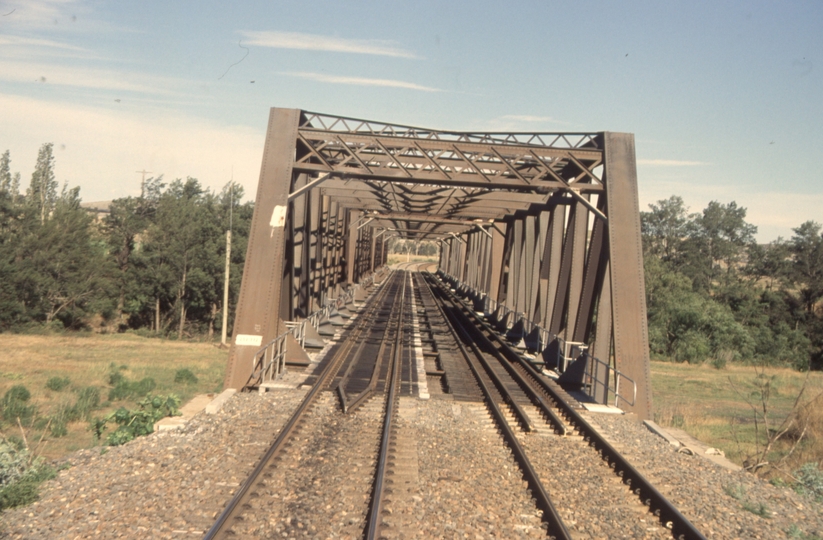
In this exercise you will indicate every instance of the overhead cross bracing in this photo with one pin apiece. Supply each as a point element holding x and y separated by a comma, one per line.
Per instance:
<point>542,226</point>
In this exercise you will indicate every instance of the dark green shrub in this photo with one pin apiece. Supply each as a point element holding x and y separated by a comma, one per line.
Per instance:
<point>17,393</point>
<point>19,478</point>
<point>57,384</point>
<point>14,405</point>
<point>19,494</point>
<point>185,376</point>
<point>126,389</point>
<point>114,374</point>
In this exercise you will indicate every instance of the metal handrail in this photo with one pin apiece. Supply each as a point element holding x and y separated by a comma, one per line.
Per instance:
<point>592,380</point>
<point>269,362</point>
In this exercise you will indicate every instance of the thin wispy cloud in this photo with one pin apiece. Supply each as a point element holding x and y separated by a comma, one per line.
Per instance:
<point>314,42</point>
<point>670,162</point>
<point>359,81</point>
<point>12,41</point>
<point>87,78</point>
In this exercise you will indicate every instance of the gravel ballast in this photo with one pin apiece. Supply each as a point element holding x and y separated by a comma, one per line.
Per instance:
<point>173,484</point>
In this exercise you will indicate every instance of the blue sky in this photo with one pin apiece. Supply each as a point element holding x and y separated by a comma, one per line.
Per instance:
<point>725,98</point>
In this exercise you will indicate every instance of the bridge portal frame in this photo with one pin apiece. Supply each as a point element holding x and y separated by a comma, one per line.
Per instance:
<point>545,224</point>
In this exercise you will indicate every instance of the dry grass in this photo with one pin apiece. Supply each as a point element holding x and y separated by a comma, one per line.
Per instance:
<point>711,405</point>
<point>808,422</point>
<point>86,360</point>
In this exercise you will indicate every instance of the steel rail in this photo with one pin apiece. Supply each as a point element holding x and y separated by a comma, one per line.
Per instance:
<point>537,400</point>
<point>222,524</point>
<point>350,406</point>
<point>521,416</point>
<point>658,504</point>
<point>556,527</point>
<point>375,514</point>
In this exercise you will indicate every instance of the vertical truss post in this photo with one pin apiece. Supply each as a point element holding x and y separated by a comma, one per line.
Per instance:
<point>577,266</point>
<point>315,248</point>
<point>502,252</point>
<point>631,340</point>
<point>550,262</point>
<point>352,245</point>
<point>299,238</point>
<point>257,318</point>
<point>517,269</point>
<point>495,261</point>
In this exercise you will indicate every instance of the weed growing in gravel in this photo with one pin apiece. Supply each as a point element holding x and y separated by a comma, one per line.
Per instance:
<point>758,509</point>
<point>735,491</point>
<point>738,492</point>
<point>57,384</point>
<point>136,422</point>
<point>185,376</point>
<point>796,533</point>
<point>809,481</point>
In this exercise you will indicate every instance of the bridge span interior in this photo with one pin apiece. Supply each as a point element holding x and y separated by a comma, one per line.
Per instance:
<point>540,230</point>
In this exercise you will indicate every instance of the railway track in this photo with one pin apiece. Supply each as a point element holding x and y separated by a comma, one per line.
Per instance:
<point>347,460</point>
<point>517,383</point>
<point>319,432</point>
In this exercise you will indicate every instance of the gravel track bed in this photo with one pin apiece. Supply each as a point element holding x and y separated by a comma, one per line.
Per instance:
<point>465,483</point>
<point>590,498</point>
<point>468,484</point>
<point>321,487</point>
<point>703,490</point>
<point>170,484</point>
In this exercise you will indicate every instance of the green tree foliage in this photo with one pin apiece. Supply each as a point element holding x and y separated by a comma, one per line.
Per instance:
<point>42,192</point>
<point>666,227</point>
<point>806,270</point>
<point>713,293</point>
<point>155,261</point>
<point>5,173</point>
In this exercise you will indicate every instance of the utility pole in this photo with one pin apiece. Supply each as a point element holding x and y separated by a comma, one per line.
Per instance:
<point>228,265</point>
<point>144,172</point>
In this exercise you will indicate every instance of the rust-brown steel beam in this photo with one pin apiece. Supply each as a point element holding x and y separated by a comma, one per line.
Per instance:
<point>257,318</point>
<point>631,341</point>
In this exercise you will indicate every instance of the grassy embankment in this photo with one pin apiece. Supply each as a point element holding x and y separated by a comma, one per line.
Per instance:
<point>711,405</point>
<point>87,360</point>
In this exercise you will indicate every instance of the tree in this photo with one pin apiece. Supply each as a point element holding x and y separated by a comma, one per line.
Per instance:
<point>770,263</point>
<point>42,193</point>
<point>178,244</point>
<point>60,269</point>
<point>127,218</point>
<point>665,228</point>
<point>5,173</point>
<point>685,325</point>
<point>806,248</point>
<point>717,245</point>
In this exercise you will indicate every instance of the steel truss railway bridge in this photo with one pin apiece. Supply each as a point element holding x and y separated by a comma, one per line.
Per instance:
<point>540,230</point>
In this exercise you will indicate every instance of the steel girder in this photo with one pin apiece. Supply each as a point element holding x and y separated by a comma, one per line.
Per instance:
<point>546,224</point>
